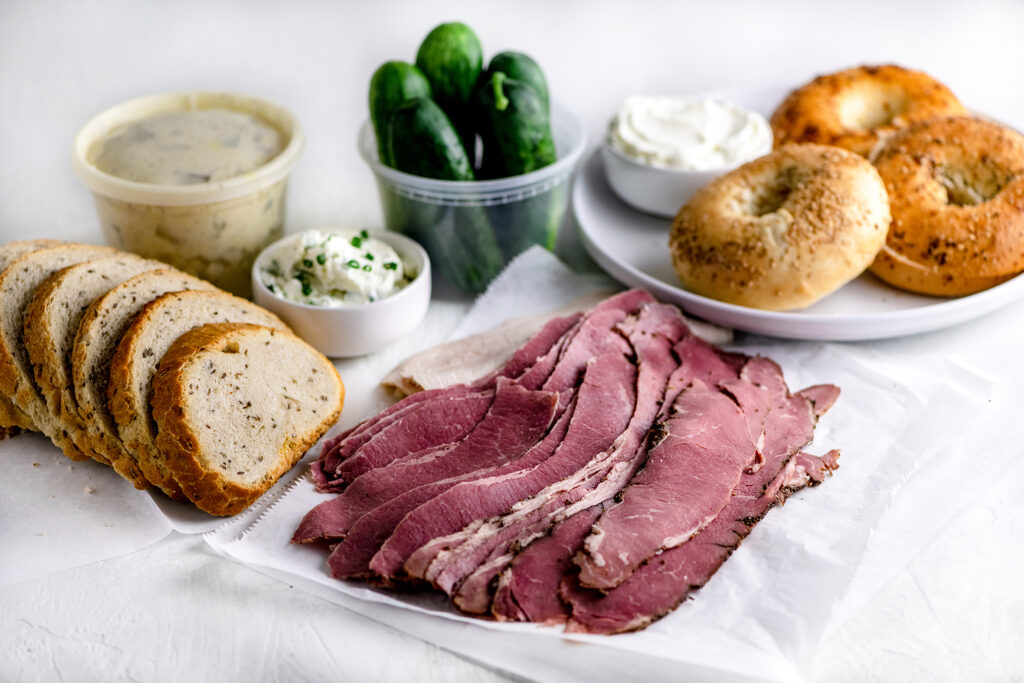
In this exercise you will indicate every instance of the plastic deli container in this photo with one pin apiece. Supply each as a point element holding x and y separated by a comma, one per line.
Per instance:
<point>213,230</point>
<point>471,229</point>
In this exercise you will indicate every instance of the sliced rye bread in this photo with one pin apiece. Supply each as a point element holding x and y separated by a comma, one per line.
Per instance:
<point>12,419</point>
<point>51,322</point>
<point>142,347</point>
<point>104,323</point>
<point>236,406</point>
<point>18,284</point>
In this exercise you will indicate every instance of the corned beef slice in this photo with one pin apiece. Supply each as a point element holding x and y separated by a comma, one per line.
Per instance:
<point>604,403</point>
<point>593,477</point>
<point>659,586</point>
<point>516,420</point>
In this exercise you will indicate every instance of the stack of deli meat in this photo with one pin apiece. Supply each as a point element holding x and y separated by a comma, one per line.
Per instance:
<point>607,469</point>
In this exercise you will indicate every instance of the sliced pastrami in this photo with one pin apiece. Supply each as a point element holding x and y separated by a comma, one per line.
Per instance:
<point>687,479</point>
<point>604,403</point>
<point>527,355</point>
<point>441,421</point>
<point>351,559</point>
<point>517,419</point>
<point>342,446</point>
<point>335,450</point>
<point>528,589</point>
<point>329,521</point>
<point>659,586</point>
<point>821,396</point>
<point>593,478</point>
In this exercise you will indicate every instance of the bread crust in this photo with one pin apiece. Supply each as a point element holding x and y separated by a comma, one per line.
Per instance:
<point>50,356</point>
<point>782,231</point>
<point>16,380</point>
<point>956,187</point>
<point>881,99</point>
<point>178,438</point>
<point>12,419</point>
<point>133,416</point>
<point>99,437</point>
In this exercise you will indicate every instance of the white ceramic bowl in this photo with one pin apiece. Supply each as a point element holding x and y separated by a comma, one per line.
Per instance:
<point>357,329</point>
<point>661,191</point>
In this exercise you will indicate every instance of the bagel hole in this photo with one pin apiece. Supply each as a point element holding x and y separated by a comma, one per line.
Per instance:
<point>771,196</point>
<point>871,107</point>
<point>969,186</point>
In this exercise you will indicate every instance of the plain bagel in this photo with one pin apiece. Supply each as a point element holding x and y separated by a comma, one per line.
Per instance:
<point>956,188</point>
<point>858,108</point>
<point>782,231</point>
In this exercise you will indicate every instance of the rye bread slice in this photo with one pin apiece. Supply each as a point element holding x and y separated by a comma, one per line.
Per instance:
<point>51,322</point>
<point>12,419</point>
<point>18,284</point>
<point>104,323</point>
<point>236,406</point>
<point>142,347</point>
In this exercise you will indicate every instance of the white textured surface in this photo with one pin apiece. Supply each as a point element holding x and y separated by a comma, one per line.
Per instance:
<point>175,610</point>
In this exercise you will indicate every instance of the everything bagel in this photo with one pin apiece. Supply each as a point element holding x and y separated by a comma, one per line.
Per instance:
<point>782,231</point>
<point>857,108</point>
<point>956,190</point>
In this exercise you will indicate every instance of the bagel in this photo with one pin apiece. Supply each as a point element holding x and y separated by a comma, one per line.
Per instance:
<point>858,108</point>
<point>956,189</point>
<point>782,231</point>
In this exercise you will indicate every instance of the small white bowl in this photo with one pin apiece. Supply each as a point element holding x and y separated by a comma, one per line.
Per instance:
<point>357,329</point>
<point>661,191</point>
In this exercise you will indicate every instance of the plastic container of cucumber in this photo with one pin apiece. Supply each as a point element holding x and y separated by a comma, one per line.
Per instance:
<point>471,229</point>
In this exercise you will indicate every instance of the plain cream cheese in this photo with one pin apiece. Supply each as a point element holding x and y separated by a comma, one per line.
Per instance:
<point>687,134</point>
<point>187,147</point>
<point>334,269</point>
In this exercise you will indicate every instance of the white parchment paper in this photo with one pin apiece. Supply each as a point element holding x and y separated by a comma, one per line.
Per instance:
<point>806,567</point>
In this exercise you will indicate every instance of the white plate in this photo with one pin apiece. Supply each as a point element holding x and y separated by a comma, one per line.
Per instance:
<point>633,247</point>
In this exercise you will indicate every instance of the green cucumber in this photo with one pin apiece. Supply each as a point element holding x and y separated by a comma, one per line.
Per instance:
<point>520,67</point>
<point>392,85</point>
<point>461,243</point>
<point>422,141</point>
<point>513,122</point>
<point>452,59</point>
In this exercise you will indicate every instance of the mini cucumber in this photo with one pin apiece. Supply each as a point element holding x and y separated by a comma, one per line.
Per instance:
<point>393,84</point>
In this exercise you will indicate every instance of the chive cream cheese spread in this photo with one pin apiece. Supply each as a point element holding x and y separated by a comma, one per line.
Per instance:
<point>687,134</point>
<point>334,269</point>
<point>187,147</point>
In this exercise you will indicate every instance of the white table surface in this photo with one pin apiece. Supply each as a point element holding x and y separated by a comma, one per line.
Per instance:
<point>176,609</point>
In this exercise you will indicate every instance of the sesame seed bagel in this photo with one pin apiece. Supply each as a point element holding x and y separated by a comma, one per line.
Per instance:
<point>782,231</point>
<point>858,108</point>
<point>956,189</point>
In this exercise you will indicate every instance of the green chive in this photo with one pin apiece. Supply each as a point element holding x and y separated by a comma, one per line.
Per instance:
<point>367,267</point>
<point>357,242</point>
<point>365,235</point>
<point>321,259</point>
<point>306,289</point>
<point>307,263</point>
<point>353,263</point>
<point>391,265</point>
<point>369,256</point>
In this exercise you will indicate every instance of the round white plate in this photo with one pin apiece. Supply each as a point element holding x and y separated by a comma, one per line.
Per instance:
<point>633,248</point>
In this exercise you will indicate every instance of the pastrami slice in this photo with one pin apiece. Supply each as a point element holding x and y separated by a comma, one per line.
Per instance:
<point>658,586</point>
<point>604,403</point>
<point>687,479</point>
<point>592,477</point>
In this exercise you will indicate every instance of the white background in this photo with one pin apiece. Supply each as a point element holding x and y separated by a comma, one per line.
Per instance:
<point>176,610</point>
